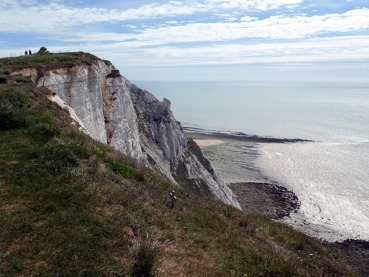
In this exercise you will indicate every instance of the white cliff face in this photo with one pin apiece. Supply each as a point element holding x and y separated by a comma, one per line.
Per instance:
<point>80,87</point>
<point>111,110</point>
<point>198,171</point>
<point>120,118</point>
<point>175,155</point>
<point>161,136</point>
<point>72,113</point>
<point>101,103</point>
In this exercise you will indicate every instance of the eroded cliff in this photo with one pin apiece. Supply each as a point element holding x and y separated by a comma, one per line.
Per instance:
<point>163,140</point>
<point>114,111</point>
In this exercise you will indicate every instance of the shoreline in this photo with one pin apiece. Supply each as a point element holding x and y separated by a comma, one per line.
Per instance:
<point>278,203</point>
<point>207,142</point>
<point>264,197</point>
<point>271,200</point>
<point>202,134</point>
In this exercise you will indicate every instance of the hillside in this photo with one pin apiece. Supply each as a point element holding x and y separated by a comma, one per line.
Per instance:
<point>71,206</point>
<point>113,111</point>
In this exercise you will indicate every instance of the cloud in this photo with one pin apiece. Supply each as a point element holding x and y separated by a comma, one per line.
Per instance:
<point>217,32</point>
<point>253,4</point>
<point>26,15</point>
<point>248,18</point>
<point>275,28</point>
<point>313,50</point>
<point>339,49</point>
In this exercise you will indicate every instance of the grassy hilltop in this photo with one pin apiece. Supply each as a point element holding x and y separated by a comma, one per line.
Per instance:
<point>71,206</point>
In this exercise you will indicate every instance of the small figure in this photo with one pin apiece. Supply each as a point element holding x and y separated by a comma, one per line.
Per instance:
<point>25,52</point>
<point>29,52</point>
<point>174,198</point>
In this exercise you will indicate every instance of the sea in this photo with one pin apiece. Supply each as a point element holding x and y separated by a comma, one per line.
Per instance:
<point>329,174</point>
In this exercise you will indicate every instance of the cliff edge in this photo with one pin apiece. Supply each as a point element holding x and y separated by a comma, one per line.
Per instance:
<point>113,111</point>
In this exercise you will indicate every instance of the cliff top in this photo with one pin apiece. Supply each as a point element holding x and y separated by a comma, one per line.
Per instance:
<point>70,206</point>
<point>45,61</point>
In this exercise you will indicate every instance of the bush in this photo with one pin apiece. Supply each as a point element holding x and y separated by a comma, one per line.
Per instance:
<point>11,98</point>
<point>43,50</point>
<point>244,222</point>
<point>229,212</point>
<point>125,171</point>
<point>12,119</point>
<point>146,261</point>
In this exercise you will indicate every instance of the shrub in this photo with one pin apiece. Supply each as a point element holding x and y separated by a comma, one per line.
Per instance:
<point>12,119</point>
<point>43,50</point>
<point>146,260</point>
<point>229,212</point>
<point>11,98</point>
<point>125,171</point>
<point>244,222</point>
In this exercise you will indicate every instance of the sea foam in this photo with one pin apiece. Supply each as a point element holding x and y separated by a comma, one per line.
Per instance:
<point>331,179</point>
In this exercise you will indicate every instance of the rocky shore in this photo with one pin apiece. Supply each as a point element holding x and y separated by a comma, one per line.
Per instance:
<point>262,196</point>
<point>355,252</point>
<point>270,200</point>
<point>236,136</point>
<point>276,202</point>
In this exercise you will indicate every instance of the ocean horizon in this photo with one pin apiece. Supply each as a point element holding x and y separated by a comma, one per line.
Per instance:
<point>329,175</point>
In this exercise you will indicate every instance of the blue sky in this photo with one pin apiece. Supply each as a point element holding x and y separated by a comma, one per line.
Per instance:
<point>199,39</point>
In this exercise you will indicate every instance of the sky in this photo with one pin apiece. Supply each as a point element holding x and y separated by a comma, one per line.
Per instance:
<point>199,39</point>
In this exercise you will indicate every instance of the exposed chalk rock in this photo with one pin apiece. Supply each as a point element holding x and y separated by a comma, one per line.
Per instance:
<point>113,111</point>
<point>175,155</point>
<point>101,103</point>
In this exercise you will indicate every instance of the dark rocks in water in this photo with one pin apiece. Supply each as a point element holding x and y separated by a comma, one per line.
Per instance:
<point>239,136</point>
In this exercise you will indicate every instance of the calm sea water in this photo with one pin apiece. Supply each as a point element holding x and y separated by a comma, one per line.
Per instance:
<point>330,175</point>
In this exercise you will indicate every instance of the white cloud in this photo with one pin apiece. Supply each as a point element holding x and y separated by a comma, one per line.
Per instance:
<point>262,5</point>
<point>25,15</point>
<point>27,2</point>
<point>275,27</point>
<point>7,3</point>
<point>338,49</point>
<point>277,38</point>
<point>315,50</point>
<point>248,18</point>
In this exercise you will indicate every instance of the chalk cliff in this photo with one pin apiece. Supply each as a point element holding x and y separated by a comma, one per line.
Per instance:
<point>113,111</point>
<point>163,140</point>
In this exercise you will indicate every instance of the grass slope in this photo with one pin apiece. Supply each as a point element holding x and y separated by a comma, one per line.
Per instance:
<point>44,62</point>
<point>70,206</point>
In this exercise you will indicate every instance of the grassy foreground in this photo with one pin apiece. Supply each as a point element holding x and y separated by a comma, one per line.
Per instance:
<point>70,206</point>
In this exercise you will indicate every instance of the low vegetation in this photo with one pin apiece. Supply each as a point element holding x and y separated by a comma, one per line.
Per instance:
<point>42,60</point>
<point>8,65</point>
<point>71,206</point>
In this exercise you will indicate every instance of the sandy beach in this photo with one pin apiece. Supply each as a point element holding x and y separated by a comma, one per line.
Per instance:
<point>207,142</point>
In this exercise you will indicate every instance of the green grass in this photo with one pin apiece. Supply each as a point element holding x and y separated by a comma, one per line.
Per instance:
<point>66,201</point>
<point>122,169</point>
<point>8,65</point>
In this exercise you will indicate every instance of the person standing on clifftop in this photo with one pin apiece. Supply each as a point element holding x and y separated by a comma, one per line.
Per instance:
<point>29,52</point>
<point>25,53</point>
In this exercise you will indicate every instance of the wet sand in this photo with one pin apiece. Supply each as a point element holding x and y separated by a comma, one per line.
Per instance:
<point>207,142</point>
<point>277,202</point>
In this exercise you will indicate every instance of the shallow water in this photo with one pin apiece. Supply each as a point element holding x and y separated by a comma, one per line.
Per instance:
<point>330,179</point>
<point>330,176</point>
<point>236,161</point>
